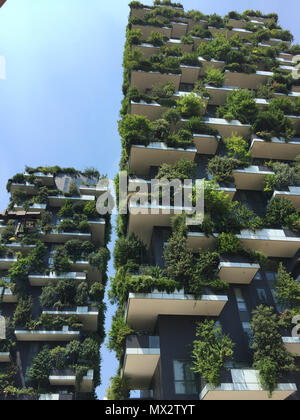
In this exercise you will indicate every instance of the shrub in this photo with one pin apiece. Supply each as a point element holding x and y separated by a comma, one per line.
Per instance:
<point>23,312</point>
<point>61,262</point>
<point>135,130</point>
<point>214,77</point>
<point>161,129</point>
<point>183,169</point>
<point>228,243</point>
<point>287,289</point>
<point>280,214</point>
<point>90,210</point>
<point>191,105</point>
<point>100,259</point>
<point>134,37</point>
<point>156,39</point>
<point>216,21</point>
<point>178,258</point>
<point>119,331</point>
<point>273,123</point>
<point>240,105</point>
<point>129,250</point>
<point>238,149</point>
<point>270,355</point>
<point>221,169</point>
<point>40,369</point>
<point>210,352</point>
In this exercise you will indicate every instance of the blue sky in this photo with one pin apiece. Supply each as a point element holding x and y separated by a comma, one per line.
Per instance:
<point>60,102</point>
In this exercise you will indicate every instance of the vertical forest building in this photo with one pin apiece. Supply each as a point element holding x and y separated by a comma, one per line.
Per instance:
<point>207,312</point>
<point>53,262</point>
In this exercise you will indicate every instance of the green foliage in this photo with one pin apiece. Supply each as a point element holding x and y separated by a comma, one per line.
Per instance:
<point>240,105</point>
<point>221,169</point>
<point>238,149</point>
<point>61,263</point>
<point>287,289</point>
<point>100,259</point>
<point>178,258</point>
<point>191,105</point>
<point>210,352</point>
<point>281,213</point>
<point>134,37</point>
<point>135,130</point>
<point>118,389</point>
<point>129,251</point>
<point>228,243</point>
<point>273,123</point>
<point>183,169</point>
<point>23,312</point>
<point>156,39</point>
<point>40,369</point>
<point>214,77</point>
<point>90,210</point>
<point>270,355</point>
<point>118,333</point>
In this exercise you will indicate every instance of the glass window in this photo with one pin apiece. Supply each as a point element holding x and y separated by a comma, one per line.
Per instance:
<point>262,296</point>
<point>185,380</point>
<point>258,276</point>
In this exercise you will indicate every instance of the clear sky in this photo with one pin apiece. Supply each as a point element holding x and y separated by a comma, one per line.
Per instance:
<point>60,102</point>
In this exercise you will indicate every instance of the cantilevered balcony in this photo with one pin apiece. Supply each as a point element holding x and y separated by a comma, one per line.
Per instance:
<point>98,230</point>
<point>233,272</point>
<point>139,11</point>
<point>190,74</point>
<point>187,48</point>
<point>7,262</point>
<point>277,149</point>
<point>198,240</point>
<point>292,95</point>
<point>27,188</point>
<point>41,280</point>
<point>56,397</point>
<point>146,80</point>
<point>152,111</point>
<point>142,158</point>
<point>228,128</point>
<point>65,378</point>
<point>252,178</point>
<point>19,247</point>
<point>271,242</point>
<point>292,344</point>
<point>197,41</point>
<point>64,335</point>
<point>4,357</point>
<point>244,384</point>
<point>83,265</point>
<point>241,32</point>
<point>230,191</point>
<point>246,81</point>
<point>142,355</point>
<point>88,316</point>
<point>148,29</point>
<point>143,309</point>
<point>7,296</point>
<point>293,195</point>
<point>57,237</point>
<point>143,218</point>
<point>45,179</point>
<point>241,23</point>
<point>296,122</point>
<point>218,96</point>
<point>37,207</point>
<point>206,144</point>
<point>179,29</point>
<point>210,64</point>
<point>59,200</point>
<point>94,190</point>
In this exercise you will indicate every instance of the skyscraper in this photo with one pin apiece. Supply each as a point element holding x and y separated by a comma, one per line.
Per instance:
<point>207,311</point>
<point>53,273</point>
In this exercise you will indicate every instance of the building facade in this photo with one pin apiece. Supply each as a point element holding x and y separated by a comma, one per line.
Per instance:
<point>53,274</point>
<point>214,98</point>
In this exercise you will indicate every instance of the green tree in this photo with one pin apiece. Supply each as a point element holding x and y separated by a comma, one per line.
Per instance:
<point>210,352</point>
<point>270,355</point>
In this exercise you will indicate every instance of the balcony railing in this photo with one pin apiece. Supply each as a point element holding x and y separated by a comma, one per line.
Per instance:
<point>87,315</point>
<point>40,280</point>
<point>292,344</point>
<point>64,335</point>
<point>142,158</point>
<point>244,384</point>
<point>67,377</point>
